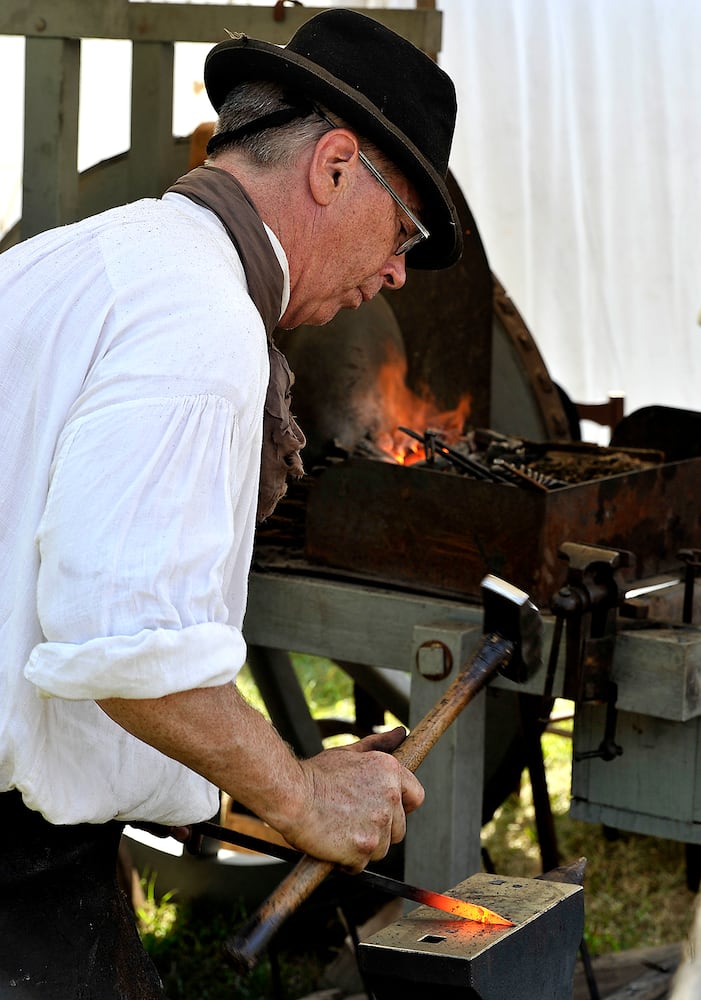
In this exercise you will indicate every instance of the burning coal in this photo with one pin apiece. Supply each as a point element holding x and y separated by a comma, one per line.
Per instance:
<point>406,408</point>
<point>351,389</point>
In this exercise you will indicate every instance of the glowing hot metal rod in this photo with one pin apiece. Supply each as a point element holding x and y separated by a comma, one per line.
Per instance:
<point>391,886</point>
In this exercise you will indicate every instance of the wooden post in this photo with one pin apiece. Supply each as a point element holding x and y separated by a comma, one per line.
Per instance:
<point>443,845</point>
<point>50,176</point>
<point>428,5</point>
<point>151,119</point>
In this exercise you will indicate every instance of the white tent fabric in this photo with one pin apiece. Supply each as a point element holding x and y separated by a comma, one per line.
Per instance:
<point>579,151</point>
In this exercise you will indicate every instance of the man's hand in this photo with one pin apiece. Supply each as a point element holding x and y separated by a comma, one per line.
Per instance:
<point>358,799</point>
<point>345,805</point>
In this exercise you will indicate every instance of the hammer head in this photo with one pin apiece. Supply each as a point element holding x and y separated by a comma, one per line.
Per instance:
<point>510,613</point>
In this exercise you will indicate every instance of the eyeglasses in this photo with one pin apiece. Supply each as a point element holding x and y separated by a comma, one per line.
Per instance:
<point>421,232</point>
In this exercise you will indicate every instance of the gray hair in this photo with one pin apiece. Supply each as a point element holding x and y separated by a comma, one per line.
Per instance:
<point>281,145</point>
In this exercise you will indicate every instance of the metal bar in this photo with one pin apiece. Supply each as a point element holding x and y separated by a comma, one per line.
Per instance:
<point>385,883</point>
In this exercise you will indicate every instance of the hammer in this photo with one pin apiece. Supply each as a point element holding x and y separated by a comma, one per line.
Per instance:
<point>511,644</point>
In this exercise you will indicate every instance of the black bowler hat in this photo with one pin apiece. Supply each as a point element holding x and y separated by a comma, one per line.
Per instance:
<point>379,83</point>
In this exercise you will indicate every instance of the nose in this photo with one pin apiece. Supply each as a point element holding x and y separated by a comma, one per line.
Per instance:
<point>394,272</point>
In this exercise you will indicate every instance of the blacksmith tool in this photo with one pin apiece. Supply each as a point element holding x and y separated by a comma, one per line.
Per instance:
<point>390,886</point>
<point>692,563</point>
<point>433,446</point>
<point>588,604</point>
<point>511,644</point>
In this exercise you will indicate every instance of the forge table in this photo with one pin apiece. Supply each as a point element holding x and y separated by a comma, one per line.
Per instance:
<point>658,673</point>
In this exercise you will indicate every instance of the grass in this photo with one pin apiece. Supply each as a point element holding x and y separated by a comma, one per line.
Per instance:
<point>635,887</point>
<point>186,943</point>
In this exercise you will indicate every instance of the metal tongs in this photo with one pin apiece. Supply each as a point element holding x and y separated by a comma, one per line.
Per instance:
<point>434,446</point>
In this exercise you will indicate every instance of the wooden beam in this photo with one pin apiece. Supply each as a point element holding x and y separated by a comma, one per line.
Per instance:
<point>158,22</point>
<point>65,18</point>
<point>658,670</point>
<point>428,5</point>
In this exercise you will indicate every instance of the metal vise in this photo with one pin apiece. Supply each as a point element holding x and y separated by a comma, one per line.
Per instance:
<point>587,605</point>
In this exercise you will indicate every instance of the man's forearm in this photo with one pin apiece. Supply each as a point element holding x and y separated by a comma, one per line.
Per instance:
<point>345,805</point>
<point>216,733</point>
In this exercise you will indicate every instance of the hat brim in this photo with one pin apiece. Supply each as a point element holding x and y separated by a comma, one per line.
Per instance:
<point>241,59</point>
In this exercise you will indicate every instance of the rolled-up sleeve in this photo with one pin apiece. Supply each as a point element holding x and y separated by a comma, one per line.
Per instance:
<point>136,546</point>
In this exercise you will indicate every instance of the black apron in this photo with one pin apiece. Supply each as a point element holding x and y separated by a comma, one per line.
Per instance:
<point>67,931</point>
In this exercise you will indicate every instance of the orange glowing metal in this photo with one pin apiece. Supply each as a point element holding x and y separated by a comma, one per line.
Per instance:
<point>438,900</point>
<point>458,907</point>
<point>392,886</point>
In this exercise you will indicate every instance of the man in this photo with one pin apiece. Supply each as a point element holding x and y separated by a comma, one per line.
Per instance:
<point>141,399</point>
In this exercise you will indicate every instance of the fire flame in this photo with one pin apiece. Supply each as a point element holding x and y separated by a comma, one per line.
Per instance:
<point>406,408</point>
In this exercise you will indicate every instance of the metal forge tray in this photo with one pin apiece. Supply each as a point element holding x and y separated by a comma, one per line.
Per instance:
<point>437,531</point>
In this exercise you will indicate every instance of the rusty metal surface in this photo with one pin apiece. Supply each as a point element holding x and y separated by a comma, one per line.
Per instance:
<point>456,958</point>
<point>438,532</point>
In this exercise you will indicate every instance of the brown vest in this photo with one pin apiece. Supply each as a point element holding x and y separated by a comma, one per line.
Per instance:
<point>283,440</point>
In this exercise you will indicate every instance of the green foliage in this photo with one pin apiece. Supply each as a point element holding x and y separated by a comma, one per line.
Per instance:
<point>327,689</point>
<point>156,917</point>
<point>186,942</point>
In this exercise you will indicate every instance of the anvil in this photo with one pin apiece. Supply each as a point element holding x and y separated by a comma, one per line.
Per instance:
<point>423,954</point>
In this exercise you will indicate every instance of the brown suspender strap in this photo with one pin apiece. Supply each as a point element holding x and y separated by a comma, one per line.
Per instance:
<point>283,440</point>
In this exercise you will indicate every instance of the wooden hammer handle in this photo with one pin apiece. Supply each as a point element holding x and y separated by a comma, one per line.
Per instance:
<point>492,653</point>
<point>244,948</point>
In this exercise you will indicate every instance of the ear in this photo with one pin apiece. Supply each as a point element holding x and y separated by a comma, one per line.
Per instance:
<point>334,159</point>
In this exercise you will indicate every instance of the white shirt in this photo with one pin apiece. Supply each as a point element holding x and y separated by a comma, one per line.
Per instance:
<point>133,372</point>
